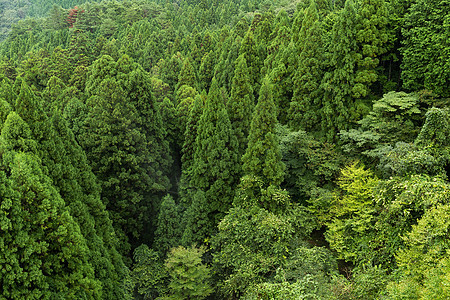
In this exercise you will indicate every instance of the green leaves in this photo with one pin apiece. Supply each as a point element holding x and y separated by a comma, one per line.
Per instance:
<point>189,276</point>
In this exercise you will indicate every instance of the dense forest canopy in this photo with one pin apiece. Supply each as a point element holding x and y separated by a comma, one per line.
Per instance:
<point>225,149</point>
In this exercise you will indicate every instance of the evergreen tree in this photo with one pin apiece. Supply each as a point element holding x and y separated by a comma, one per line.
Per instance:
<point>206,71</point>
<point>7,92</point>
<point>339,108</point>
<point>374,39</point>
<point>249,49</point>
<point>426,47</point>
<point>114,146</point>
<point>187,75</point>
<point>263,157</point>
<point>304,111</point>
<point>224,69</point>
<point>216,161</point>
<point>168,230</point>
<point>44,254</point>
<point>123,138</point>
<point>241,103</point>
<point>65,163</point>
<point>79,188</point>
<point>5,109</point>
<point>282,77</point>
<point>190,135</point>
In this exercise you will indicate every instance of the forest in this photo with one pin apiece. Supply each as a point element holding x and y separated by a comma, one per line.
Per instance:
<point>234,149</point>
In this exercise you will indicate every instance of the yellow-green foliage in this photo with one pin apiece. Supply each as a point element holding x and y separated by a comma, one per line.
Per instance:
<point>351,214</point>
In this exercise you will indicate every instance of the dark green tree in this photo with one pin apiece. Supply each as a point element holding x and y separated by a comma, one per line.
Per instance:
<point>263,157</point>
<point>241,103</point>
<point>426,47</point>
<point>339,109</point>
<point>123,137</point>
<point>168,228</point>
<point>374,37</point>
<point>216,161</point>
<point>249,49</point>
<point>44,254</point>
<point>66,164</point>
<point>304,111</point>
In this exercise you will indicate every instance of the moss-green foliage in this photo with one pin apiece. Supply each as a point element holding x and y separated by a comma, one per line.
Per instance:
<point>189,277</point>
<point>352,214</point>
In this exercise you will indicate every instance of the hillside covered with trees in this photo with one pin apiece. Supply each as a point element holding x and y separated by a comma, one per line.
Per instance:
<point>228,149</point>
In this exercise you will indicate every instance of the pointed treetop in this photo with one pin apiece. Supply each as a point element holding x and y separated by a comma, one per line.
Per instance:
<point>263,157</point>
<point>16,135</point>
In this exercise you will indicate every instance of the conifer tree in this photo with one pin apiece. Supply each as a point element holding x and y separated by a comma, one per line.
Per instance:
<point>187,75</point>
<point>168,230</point>
<point>124,139</point>
<point>7,92</point>
<point>5,109</point>
<point>44,254</point>
<point>216,161</point>
<point>263,157</point>
<point>374,39</point>
<point>206,71</point>
<point>306,102</point>
<point>339,108</point>
<point>190,134</point>
<point>79,188</point>
<point>224,69</point>
<point>241,103</point>
<point>426,47</point>
<point>170,70</point>
<point>282,76</point>
<point>114,144</point>
<point>249,49</point>
<point>65,163</point>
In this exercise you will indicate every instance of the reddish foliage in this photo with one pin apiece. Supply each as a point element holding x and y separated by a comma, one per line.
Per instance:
<point>73,13</point>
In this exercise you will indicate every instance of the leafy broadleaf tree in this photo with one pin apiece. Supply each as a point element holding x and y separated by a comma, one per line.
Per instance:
<point>188,275</point>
